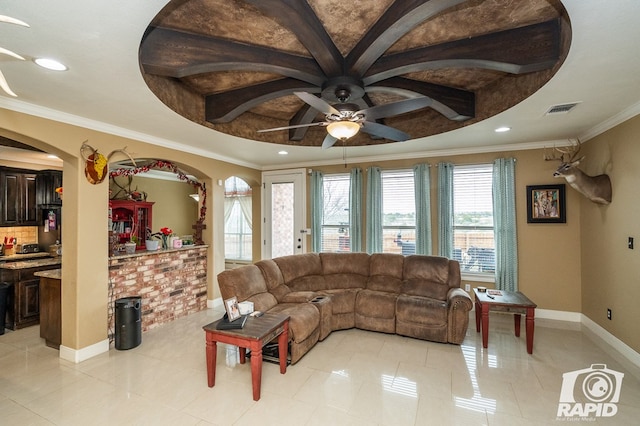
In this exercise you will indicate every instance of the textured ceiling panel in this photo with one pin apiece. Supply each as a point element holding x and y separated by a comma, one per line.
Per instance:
<point>233,65</point>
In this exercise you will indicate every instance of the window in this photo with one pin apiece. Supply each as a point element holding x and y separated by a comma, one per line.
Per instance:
<point>398,212</point>
<point>335,214</point>
<point>237,220</point>
<point>473,241</point>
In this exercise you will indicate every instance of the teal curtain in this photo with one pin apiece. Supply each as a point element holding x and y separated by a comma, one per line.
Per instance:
<point>374,210</point>
<point>317,208</point>
<point>504,224</point>
<point>445,209</point>
<point>355,210</point>
<point>423,208</point>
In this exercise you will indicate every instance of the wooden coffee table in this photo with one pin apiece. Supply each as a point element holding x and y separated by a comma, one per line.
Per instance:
<point>504,301</point>
<point>257,332</point>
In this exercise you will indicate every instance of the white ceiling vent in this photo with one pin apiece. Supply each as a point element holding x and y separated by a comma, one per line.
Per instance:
<point>561,108</point>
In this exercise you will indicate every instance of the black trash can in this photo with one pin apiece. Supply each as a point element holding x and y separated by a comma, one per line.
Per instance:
<point>128,312</point>
<point>4,290</point>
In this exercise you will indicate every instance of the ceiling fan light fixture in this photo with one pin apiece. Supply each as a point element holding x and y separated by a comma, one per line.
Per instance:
<point>343,130</point>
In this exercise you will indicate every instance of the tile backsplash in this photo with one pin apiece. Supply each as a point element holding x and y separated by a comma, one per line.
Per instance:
<point>24,234</point>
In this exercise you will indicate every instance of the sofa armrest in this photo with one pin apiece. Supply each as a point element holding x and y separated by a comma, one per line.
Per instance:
<point>298,297</point>
<point>460,304</point>
<point>461,297</point>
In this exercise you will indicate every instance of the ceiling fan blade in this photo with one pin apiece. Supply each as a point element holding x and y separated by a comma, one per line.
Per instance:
<point>5,86</point>
<point>328,141</point>
<point>386,132</point>
<point>396,108</point>
<point>316,102</point>
<point>10,20</point>
<point>317,123</point>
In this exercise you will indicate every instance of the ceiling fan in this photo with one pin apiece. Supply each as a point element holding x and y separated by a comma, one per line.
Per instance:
<point>3,81</point>
<point>344,120</point>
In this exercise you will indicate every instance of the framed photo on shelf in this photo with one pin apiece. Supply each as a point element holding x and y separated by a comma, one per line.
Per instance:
<point>546,204</point>
<point>231,306</point>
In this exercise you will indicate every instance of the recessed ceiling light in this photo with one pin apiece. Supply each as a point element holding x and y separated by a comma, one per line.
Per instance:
<point>50,64</point>
<point>502,129</point>
<point>283,152</point>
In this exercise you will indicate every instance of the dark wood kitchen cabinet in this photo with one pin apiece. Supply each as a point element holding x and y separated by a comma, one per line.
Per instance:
<point>46,183</point>
<point>19,203</point>
<point>23,304</point>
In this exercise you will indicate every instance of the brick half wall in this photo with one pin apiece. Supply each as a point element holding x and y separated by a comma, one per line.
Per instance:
<point>171,284</point>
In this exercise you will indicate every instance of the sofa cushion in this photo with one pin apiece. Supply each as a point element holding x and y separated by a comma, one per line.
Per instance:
<point>304,319</point>
<point>378,304</point>
<point>302,272</point>
<point>345,270</point>
<point>345,263</point>
<point>426,276</point>
<point>274,279</point>
<point>421,310</point>
<point>246,283</point>
<point>385,272</point>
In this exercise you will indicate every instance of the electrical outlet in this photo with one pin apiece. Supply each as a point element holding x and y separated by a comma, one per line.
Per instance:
<point>467,287</point>
<point>608,314</point>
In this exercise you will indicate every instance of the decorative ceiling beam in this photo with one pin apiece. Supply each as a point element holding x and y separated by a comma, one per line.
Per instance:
<point>455,104</point>
<point>517,51</point>
<point>173,53</point>
<point>301,19</point>
<point>226,106</point>
<point>305,115</point>
<point>400,18</point>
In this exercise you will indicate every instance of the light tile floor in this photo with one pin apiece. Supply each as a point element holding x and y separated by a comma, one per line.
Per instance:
<point>354,377</point>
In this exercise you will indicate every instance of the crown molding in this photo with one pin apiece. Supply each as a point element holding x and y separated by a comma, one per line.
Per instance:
<point>63,117</point>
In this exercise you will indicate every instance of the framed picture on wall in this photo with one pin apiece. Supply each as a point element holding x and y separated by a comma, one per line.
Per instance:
<point>546,204</point>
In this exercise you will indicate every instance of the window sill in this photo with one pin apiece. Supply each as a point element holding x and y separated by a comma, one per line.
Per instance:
<point>476,277</point>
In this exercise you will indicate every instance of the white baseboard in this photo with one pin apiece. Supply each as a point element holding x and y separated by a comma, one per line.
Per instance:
<point>78,355</point>
<point>558,315</point>
<point>611,340</point>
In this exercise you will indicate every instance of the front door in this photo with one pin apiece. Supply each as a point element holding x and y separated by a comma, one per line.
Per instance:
<point>284,213</point>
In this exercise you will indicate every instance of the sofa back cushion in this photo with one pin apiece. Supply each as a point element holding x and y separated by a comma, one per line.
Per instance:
<point>274,279</point>
<point>345,270</point>
<point>385,272</point>
<point>429,276</point>
<point>302,272</point>
<point>246,283</point>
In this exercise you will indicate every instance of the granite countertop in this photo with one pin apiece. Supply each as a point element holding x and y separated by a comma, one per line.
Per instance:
<point>161,251</point>
<point>14,257</point>
<point>33,263</point>
<point>55,274</point>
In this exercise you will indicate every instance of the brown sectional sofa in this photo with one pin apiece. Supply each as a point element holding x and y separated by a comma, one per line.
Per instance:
<point>416,296</point>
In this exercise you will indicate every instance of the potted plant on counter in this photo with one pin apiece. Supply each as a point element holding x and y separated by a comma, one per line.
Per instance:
<point>163,236</point>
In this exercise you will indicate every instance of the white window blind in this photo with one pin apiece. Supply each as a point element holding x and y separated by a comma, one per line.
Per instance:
<point>398,212</point>
<point>474,246</point>
<point>335,217</point>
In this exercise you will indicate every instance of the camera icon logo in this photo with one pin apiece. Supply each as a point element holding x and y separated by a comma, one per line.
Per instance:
<point>590,391</point>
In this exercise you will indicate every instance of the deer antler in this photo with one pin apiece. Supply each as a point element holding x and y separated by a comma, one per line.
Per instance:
<point>567,154</point>
<point>96,164</point>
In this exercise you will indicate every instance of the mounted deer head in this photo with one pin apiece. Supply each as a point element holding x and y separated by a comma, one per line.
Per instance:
<point>595,188</point>
<point>96,164</point>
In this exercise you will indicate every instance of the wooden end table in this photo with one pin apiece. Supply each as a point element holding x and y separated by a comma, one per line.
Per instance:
<point>257,332</point>
<point>504,301</point>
